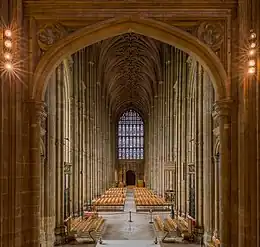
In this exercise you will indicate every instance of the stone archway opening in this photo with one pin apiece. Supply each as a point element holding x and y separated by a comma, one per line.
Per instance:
<point>156,30</point>
<point>130,178</point>
<point>113,27</point>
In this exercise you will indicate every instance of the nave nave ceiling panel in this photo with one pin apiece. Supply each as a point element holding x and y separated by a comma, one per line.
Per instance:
<point>130,66</point>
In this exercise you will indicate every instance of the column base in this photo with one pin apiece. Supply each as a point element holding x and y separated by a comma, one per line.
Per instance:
<point>207,239</point>
<point>60,237</point>
<point>210,239</point>
<point>199,234</point>
<point>49,233</point>
<point>46,232</point>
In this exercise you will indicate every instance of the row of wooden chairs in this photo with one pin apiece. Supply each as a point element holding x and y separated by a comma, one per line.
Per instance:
<point>82,227</point>
<point>113,195</point>
<point>179,225</point>
<point>146,197</point>
<point>116,190</point>
<point>110,201</point>
<point>170,224</point>
<point>142,191</point>
<point>215,242</point>
<point>149,201</point>
<point>158,224</point>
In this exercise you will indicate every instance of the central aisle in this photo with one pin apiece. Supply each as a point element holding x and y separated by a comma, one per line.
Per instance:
<point>118,226</point>
<point>127,243</point>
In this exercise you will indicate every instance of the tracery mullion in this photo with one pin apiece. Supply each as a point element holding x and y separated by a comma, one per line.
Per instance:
<point>130,138</point>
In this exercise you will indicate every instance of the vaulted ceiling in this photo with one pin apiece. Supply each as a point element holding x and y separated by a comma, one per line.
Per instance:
<point>130,69</point>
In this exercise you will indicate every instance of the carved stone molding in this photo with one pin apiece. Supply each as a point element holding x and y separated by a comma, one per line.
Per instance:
<point>222,108</point>
<point>212,34</point>
<point>191,168</point>
<point>50,34</point>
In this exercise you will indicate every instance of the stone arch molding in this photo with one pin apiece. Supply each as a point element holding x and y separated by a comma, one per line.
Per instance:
<point>117,26</point>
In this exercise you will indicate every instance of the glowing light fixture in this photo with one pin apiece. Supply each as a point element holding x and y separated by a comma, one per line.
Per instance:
<point>252,53</point>
<point>253,36</point>
<point>8,33</point>
<point>253,45</point>
<point>7,49</point>
<point>8,44</point>
<point>251,70</point>
<point>251,63</point>
<point>8,56</point>
<point>8,66</point>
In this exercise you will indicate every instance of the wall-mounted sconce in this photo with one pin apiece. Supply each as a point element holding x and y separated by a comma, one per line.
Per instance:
<point>7,50</point>
<point>252,53</point>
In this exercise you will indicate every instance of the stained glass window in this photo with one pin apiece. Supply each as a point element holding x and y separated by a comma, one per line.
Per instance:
<point>130,139</point>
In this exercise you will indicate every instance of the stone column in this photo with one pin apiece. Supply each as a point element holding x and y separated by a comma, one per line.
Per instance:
<point>208,179</point>
<point>88,126</point>
<point>74,131</point>
<point>156,142</point>
<point>222,109</point>
<point>216,192</point>
<point>184,120</point>
<point>36,114</point>
<point>50,171</point>
<point>199,146</point>
<point>59,230</point>
<point>79,132</point>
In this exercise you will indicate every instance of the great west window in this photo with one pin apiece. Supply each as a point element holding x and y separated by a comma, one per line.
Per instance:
<point>130,136</point>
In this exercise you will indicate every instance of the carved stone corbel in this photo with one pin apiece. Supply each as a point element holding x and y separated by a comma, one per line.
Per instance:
<point>212,34</point>
<point>50,34</point>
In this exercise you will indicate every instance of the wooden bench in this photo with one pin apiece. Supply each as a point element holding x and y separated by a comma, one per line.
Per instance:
<point>170,227</point>
<point>90,229</point>
<point>215,242</point>
<point>158,228</point>
<point>171,224</point>
<point>183,228</point>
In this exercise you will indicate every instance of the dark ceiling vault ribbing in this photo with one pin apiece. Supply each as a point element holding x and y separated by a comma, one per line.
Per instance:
<point>130,69</point>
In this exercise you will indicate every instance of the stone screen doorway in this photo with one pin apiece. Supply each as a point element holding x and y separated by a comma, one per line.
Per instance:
<point>130,178</point>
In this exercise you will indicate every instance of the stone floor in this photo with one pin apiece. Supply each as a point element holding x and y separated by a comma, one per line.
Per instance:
<point>138,233</point>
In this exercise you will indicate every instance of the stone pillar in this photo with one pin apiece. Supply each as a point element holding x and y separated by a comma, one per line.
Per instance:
<point>222,109</point>
<point>59,230</point>
<point>50,170</point>
<point>74,131</point>
<point>36,113</point>
<point>208,179</point>
<point>156,142</point>
<point>81,87</point>
<point>88,129</point>
<point>216,192</point>
<point>199,146</point>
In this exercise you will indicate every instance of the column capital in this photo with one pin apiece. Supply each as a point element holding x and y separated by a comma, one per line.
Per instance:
<point>37,108</point>
<point>222,108</point>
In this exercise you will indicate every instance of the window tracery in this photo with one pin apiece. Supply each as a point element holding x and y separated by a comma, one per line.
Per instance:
<point>130,136</point>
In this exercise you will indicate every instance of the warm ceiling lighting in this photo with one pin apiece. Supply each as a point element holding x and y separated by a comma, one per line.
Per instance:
<point>8,56</point>
<point>251,52</point>
<point>253,45</point>
<point>8,66</point>
<point>253,36</point>
<point>8,44</point>
<point>8,33</point>
<point>251,63</point>
<point>251,70</point>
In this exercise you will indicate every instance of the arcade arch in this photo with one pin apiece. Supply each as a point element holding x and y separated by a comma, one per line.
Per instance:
<point>113,27</point>
<point>159,31</point>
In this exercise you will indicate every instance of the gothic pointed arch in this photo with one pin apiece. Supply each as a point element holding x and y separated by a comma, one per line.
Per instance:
<point>113,27</point>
